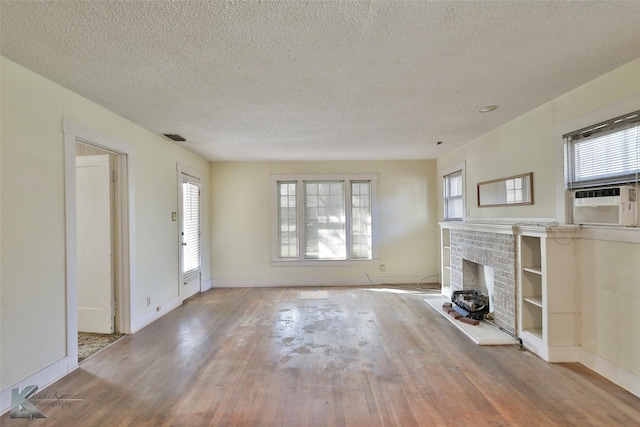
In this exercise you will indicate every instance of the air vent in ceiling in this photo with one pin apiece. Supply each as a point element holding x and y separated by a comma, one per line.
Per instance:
<point>174,137</point>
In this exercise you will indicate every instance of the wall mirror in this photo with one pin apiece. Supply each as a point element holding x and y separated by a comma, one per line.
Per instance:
<point>514,190</point>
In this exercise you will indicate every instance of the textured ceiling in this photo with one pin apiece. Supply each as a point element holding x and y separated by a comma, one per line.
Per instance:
<point>319,80</point>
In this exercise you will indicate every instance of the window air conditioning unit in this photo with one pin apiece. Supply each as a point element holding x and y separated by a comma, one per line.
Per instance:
<point>606,206</point>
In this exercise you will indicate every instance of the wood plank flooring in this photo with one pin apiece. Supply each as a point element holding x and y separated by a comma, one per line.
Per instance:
<point>377,356</point>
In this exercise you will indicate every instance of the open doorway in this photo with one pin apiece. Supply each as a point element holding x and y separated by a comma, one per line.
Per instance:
<point>97,243</point>
<point>100,266</point>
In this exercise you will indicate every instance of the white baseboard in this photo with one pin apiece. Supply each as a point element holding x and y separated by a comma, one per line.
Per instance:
<point>42,379</point>
<point>614,373</point>
<point>274,282</point>
<point>563,354</point>
<point>206,285</point>
<point>153,315</point>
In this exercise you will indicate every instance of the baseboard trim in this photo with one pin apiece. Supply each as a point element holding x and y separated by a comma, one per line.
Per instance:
<point>206,285</point>
<point>614,373</point>
<point>274,282</point>
<point>43,379</point>
<point>153,315</point>
<point>564,353</point>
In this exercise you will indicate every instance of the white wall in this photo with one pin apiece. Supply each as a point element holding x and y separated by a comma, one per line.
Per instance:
<point>32,269</point>
<point>241,224</point>
<point>609,267</point>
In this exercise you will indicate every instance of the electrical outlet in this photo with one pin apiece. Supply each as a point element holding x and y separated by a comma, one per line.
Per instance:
<point>158,308</point>
<point>148,301</point>
<point>382,267</point>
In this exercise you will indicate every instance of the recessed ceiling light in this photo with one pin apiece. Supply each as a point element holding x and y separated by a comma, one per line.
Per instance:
<point>488,108</point>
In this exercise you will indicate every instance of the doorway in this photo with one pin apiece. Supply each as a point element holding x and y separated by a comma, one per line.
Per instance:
<point>80,141</point>
<point>189,235</point>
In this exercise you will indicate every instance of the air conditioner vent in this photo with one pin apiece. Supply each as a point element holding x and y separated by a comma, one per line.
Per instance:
<point>599,192</point>
<point>174,137</point>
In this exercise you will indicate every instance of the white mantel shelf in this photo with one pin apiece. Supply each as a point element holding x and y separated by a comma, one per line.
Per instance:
<point>543,229</point>
<point>547,228</point>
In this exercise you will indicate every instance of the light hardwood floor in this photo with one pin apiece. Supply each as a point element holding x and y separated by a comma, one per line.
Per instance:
<point>364,357</point>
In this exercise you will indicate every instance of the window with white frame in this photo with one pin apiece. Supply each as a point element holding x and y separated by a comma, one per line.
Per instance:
<point>453,197</point>
<point>606,153</point>
<point>324,218</point>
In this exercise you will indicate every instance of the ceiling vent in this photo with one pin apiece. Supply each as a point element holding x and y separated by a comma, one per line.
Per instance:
<point>174,137</point>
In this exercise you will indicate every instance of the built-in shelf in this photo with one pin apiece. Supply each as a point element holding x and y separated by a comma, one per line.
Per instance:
<point>537,332</point>
<point>534,270</point>
<point>537,301</point>
<point>547,311</point>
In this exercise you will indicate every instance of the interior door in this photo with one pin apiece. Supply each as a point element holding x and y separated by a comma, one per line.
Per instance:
<point>95,266</point>
<point>189,236</point>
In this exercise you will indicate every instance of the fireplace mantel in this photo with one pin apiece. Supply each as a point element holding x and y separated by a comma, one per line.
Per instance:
<point>534,294</point>
<point>542,228</point>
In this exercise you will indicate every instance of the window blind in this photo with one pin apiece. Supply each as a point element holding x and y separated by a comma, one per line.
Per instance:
<point>361,220</point>
<point>453,206</point>
<point>191,230</point>
<point>607,153</point>
<point>324,220</point>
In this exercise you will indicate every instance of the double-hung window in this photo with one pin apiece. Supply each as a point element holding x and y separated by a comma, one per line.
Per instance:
<point>453,200</point>
<point>607,153</point>
<point>324,218</point>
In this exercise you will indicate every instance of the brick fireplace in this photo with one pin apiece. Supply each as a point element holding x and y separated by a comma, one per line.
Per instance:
<point>471,252</point>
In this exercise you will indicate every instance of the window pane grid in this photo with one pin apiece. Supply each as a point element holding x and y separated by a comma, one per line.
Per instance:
<point>360,220</point>
<point>453,200</point>
<point>324,220</point>
<point>288,220</point>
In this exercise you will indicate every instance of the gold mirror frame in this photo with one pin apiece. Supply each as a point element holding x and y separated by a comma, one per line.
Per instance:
<point>514,190</point>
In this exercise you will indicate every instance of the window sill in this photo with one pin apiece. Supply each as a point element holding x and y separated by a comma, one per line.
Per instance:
<point>320,263</point>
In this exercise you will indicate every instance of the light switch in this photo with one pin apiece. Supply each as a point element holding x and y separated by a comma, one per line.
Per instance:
<point>174,216</point>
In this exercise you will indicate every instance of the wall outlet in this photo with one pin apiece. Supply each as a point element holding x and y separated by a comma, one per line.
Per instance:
<point>383,267</point>
<point>148,301</point>
<point>158,308</point>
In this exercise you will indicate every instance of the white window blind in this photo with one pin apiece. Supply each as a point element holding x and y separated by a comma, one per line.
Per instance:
<point>324,220</point>
<point>607,153</point>
<point>191,231</point>
<point>453,201</point>
<point>361,220</point>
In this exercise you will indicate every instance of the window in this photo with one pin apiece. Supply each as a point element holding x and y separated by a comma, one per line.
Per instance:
<point>324,218</point>
<point>453,201</point>
<point>607,153</point>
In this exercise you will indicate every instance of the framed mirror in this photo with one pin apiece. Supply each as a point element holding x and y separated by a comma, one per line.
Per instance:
<point>510,191</point>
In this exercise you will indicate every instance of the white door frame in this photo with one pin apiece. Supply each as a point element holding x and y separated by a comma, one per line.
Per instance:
<point>189,171</point>
<point>125,158</point>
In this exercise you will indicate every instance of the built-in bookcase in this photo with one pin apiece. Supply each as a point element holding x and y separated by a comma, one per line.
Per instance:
<point>547,307</point>
<point>531,286</point>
